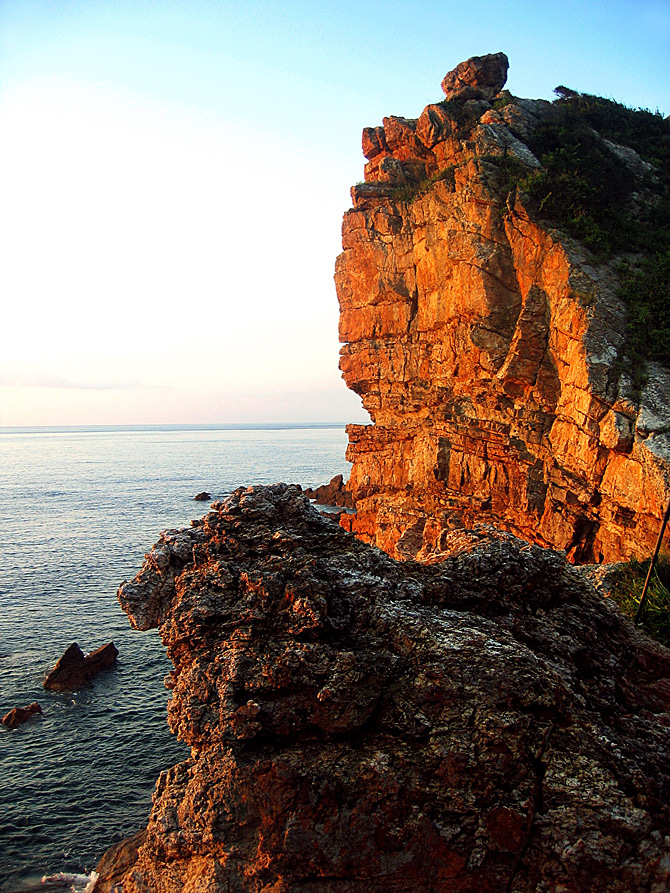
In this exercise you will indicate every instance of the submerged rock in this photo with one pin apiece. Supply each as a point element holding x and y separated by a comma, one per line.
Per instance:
<point>355,723</point>
<point>19,715</point>
<point>202,497</point>
<point>74,668</point>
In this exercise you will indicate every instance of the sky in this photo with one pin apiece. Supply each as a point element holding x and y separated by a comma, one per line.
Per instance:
<point>173,175</point>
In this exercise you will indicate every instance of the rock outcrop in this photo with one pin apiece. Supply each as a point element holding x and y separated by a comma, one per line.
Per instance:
<point>483,344</point>
<point>481,77</point>
<point>355,723</point>
<point>19,715</point>
<point>333,493</point>
<point>75,668</point>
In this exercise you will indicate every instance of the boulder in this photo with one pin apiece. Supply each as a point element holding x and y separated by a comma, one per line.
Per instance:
<point>19,715</point>
<point>202,497</point>
<point>480,77</point>
<point>74,668</point>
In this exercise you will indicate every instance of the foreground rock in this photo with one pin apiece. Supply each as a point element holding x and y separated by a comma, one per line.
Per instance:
<point>483,724</point>
<point>484,345</point>
<point>19,715</point>
<point>75,668</point>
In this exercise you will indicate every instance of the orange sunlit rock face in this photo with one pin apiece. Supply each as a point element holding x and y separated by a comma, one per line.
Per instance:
<point>483,344</point>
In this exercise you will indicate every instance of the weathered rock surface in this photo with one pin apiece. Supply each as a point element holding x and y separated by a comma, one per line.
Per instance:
<point>75,668</point>
<point>483,724</point>
<point>483,344</point>
<point>19,715</point>
<point>481,77</point>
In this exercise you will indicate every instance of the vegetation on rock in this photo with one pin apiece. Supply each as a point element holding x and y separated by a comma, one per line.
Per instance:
<point>627,591</point>
<point>595,192</point>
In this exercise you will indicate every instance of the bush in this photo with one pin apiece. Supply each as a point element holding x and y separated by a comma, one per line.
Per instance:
<point>590,193</point>
<point>627,591</point>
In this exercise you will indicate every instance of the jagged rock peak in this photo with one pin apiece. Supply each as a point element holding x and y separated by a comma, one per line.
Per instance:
<point>356,723</point>
<point>480,77</point>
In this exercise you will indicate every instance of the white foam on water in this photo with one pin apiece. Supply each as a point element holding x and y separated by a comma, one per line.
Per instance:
<point>78,883</point>
<point>91,882</point>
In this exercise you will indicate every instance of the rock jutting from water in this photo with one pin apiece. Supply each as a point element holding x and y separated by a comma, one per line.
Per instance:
<point>75,668</point>
<point>19,715</point>
<point>485,344</point>
<point>483,724</point>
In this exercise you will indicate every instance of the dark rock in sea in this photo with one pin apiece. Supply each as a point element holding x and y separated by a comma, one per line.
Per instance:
<point>202,497</point>
<point>116,863</point>
<point>357,724</point>
<point>19,715</point>
<point>74,668</point>
<point>334,493</point>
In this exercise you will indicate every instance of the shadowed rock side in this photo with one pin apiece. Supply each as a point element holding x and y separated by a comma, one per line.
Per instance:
<point>484,343</point>
<point>484,724</point>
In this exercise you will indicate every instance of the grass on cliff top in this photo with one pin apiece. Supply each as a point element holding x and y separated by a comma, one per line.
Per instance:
<point>587,189</point>
<point>627,590</point>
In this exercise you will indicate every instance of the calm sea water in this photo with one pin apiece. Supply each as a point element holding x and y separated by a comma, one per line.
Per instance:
<point>78,511</point>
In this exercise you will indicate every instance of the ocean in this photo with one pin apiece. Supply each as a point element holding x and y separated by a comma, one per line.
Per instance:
<point>78,510</point>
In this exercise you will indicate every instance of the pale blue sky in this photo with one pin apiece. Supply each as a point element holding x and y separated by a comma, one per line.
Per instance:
<point>173,177</point>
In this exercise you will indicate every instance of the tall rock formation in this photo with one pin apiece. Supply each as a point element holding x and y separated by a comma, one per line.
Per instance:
<point>355,723</point>
<point>484,346</point>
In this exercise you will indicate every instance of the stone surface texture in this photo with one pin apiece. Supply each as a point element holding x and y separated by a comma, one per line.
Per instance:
<point>481,77</point>
<point>360,724</point>
<point>75,668</point>
<point>483,344</point>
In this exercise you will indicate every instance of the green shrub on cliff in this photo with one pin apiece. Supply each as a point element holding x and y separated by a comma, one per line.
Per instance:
<point>585,185</point>
<point>627,591</point>
<point>612,203</point>
<point>646,290</point>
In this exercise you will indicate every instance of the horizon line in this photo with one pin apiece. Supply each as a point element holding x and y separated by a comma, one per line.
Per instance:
<point>166,426</point>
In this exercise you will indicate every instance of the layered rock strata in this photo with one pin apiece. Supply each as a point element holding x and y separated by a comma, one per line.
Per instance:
<point>483,344</point>
<point>356,723</point>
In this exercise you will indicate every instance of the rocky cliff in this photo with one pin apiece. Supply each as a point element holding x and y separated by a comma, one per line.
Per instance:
<point>355,723</point>
<point>484,344</point>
